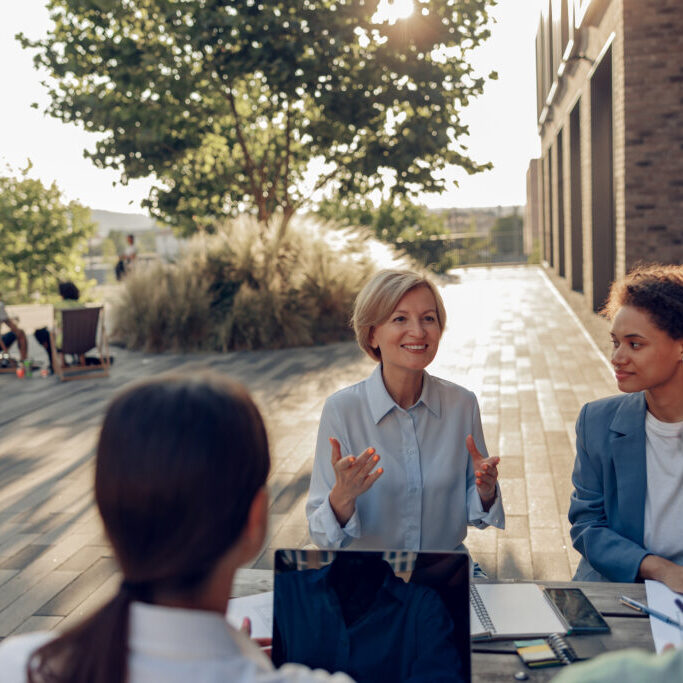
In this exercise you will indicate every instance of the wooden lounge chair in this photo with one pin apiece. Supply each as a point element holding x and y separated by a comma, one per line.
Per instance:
<point>80,335</point>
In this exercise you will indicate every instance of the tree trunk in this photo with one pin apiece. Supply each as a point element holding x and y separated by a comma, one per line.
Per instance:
<point>287,214</point>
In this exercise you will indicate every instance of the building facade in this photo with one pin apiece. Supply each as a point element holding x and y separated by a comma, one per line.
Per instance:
<point>609,77</point>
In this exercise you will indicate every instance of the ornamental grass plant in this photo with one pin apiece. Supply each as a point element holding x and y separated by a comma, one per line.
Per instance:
<point>246,286</point>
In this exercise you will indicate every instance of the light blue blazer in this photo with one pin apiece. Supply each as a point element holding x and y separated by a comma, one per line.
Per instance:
<point>607,507</point>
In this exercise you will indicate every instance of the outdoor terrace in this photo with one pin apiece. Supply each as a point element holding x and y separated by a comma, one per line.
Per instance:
<point>510,338</point>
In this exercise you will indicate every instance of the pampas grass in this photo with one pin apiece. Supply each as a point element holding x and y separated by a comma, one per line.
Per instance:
<point>247,287</point>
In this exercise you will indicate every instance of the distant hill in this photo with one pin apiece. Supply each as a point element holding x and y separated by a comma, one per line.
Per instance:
<point>126,222</point>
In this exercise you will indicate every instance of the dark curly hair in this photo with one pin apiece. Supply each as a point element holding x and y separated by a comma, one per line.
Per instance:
<point>655,288</point>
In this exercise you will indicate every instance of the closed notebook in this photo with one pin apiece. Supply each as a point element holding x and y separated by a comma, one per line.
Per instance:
<point>555,650</point>
<point>512,610</point>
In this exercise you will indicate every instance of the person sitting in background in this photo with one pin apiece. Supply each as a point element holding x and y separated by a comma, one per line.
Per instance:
<point>14,334</point>
<point>627,506</point>
<point>70,294</point>
<point>180,484</point>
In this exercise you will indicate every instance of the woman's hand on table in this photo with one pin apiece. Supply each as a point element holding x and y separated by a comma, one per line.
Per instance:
<point>266,644</point>
<point>354,475</point>
<point>661,569</point>
<point>486,473</point>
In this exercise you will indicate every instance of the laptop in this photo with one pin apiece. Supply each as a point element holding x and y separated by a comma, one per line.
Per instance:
<point>376,615</point>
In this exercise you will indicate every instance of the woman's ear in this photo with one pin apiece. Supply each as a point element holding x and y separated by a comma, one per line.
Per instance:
<point>257,525</point>
<point>371,339</point>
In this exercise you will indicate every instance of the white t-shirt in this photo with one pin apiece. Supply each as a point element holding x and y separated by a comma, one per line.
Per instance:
<point>663,532</point>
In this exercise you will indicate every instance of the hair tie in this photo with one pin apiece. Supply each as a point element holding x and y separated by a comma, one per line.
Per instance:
<point>138,590</point>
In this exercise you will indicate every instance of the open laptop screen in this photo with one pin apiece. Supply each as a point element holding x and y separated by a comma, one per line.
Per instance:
<point>378,616</point>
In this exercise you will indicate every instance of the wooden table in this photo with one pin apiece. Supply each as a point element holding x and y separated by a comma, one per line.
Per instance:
<point>628,627</point>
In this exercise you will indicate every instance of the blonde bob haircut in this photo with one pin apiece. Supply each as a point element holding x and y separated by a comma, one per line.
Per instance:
<point>380,296</point>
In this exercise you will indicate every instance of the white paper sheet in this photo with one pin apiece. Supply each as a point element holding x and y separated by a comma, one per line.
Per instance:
<point>661,598</point>
<point>259,608</point>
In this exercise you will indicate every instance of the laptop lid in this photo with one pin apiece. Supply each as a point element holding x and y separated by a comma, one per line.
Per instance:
<point>376,615</point>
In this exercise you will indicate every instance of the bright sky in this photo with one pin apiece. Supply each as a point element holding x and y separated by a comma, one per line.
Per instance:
<point>502,121</point>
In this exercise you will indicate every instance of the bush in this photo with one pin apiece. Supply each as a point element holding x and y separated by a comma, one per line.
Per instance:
<point>247,287</point>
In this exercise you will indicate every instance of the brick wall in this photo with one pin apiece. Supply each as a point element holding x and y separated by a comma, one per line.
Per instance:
<point>646,39</point>
<point>532,210</point>
<point>653,89</point>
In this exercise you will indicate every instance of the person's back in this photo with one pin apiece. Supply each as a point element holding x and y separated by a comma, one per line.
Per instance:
<point>180,483</point>
<point>171,645</point>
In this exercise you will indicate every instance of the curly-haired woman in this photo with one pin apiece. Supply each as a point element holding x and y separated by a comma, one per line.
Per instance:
<point>627,506</point>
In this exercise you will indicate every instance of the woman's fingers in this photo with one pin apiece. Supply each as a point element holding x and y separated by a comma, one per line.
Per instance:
<point>246,626</point>
<point>344,464</point>
<point>477,457</point>
<point>336,451</point>
<point>366,461</point>
<point>372,478</point>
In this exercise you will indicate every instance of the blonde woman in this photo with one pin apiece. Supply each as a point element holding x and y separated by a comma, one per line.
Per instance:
<point>400,459</point>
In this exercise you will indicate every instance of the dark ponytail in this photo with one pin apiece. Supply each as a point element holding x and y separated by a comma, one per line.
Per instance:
<point>179,461</point>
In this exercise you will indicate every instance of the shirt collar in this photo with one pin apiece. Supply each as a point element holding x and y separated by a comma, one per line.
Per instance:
<point>381,402</point>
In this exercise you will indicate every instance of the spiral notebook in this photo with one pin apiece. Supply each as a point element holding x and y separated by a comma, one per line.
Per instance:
<point>500,611</point>
<point>556,650</point>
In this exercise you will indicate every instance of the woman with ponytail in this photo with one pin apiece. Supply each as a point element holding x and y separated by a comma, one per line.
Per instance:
<point>180,484</point>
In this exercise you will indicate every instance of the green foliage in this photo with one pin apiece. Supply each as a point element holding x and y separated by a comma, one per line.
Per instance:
<point>244,287</point>
<point>507,235</point>
<point>43,239</point>
<point>400,222</point>
<point>229,103</point>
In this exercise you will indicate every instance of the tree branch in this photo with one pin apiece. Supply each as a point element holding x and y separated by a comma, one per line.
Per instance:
<point>248,161</point>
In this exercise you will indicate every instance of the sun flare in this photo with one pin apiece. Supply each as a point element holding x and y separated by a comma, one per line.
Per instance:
<point>394,11</point>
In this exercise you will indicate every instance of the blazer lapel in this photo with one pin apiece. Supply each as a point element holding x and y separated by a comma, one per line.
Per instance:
<point>628,455</point>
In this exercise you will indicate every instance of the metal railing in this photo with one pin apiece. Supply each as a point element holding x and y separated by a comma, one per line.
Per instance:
<point>450,251</point>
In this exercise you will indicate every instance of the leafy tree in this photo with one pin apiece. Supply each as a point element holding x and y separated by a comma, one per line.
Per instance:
<point>231,104</point>
<point>407,225</point>
<point>506,235</point>
<point>42,238</point>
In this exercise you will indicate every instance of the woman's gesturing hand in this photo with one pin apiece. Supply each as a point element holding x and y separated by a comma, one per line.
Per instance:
<point>354,476</point>
<point>486,472</point>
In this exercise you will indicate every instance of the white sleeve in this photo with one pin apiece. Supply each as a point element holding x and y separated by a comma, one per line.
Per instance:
<point>323,526</point>
<point>15,653</point>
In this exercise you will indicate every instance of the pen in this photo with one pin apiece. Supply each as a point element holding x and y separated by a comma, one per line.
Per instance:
<point>648,610</point>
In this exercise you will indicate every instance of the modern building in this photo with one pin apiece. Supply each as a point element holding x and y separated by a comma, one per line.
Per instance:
<point>533,217</point>
<point>610,116</point>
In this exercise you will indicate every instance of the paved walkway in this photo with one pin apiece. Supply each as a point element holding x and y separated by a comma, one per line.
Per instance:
<point>509,338</point>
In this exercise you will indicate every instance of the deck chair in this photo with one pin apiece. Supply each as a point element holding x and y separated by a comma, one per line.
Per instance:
<point>80,335</point>
<point>8,364</point>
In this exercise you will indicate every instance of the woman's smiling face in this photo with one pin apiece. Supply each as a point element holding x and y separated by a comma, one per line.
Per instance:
<point>644,356</point>
<point>409,339</point>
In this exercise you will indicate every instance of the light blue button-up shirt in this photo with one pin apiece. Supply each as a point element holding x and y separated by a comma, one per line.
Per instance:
<point>427,495</point>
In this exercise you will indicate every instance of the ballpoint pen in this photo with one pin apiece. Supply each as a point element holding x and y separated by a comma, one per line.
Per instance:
<point>634,604</point>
